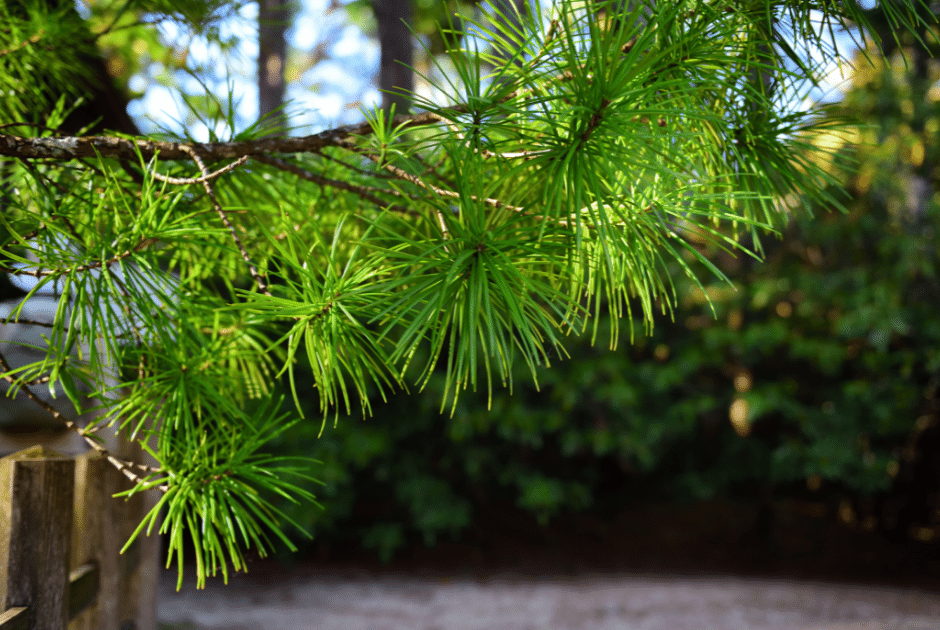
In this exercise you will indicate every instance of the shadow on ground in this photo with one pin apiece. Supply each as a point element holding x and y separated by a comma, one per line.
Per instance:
<point>708,566</point>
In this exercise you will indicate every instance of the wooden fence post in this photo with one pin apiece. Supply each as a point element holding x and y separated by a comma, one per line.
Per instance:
<point>36,487</point>
<point>142,585</point>
<point>128,582</point>
<point>96,539</point>
<point>40,491</point>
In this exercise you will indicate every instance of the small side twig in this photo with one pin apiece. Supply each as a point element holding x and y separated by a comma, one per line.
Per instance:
<point>366,192</point>
<point>23,44</point>
<point>352,167</point>
<point>417,181</point>
<point>39,273</point>
<point>182,181</point>
<point>262,285</point>
<point>35,322</point>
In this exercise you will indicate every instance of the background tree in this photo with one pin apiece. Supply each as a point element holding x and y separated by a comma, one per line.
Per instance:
<point>396,79</point>
<point>273,20</point>
<point>552,197</point>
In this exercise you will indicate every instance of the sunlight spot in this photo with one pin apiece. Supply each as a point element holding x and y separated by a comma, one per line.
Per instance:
<point>738,414</point>
<point>743,381</point>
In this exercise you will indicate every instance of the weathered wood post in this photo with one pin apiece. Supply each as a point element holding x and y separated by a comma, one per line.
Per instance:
<point>36,487</point>
<point>40,492</point>
<point>127,585</point>
<point>97,525</point>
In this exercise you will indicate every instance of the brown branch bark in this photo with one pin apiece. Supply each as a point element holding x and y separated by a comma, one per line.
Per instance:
<point>71,148</point>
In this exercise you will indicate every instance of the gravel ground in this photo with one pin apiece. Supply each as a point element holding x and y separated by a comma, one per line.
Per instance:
<point>275,598</point>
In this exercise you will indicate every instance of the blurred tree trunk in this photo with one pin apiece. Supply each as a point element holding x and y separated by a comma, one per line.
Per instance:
<point>105,102</point>
<point>513,13</point>
<point>922,182</point>
<point>273,20</point>
<point>394,19</point>
<point>104,106</point>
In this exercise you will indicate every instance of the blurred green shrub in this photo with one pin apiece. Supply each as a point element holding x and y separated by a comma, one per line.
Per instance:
<point>812,373</point>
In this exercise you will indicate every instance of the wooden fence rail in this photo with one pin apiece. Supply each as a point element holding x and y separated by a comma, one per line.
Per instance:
<point>60,534</point>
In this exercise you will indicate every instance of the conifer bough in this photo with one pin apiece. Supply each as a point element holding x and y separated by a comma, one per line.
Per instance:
<point>613,143</point>
<point>70,148</point>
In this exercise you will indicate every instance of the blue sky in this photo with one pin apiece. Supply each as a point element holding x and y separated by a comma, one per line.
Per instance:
<point>325,95</point>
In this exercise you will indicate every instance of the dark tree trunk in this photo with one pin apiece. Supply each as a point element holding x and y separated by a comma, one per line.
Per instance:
<point>513,13</point>
<point>104,108</point>
<point>396,78</point>
<point>105,104</point>
<point>273,20</point>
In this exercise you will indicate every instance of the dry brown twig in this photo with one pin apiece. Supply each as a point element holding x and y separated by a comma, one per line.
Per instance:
<point>126,467</point>
<point>365,192</point>
<point>182,181</point>
<point>204,180</point>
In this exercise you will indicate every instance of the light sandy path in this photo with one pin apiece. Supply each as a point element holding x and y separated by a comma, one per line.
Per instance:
<point>272,599</point>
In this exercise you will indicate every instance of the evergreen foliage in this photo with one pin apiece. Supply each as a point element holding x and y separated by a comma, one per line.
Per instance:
<point>559,194</point>
<point>812,379</point>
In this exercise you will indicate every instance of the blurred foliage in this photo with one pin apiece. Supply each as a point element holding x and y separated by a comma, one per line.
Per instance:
<point>811,375</point>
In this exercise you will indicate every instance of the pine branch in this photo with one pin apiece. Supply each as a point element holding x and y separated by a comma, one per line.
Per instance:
<point>74,147</point>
